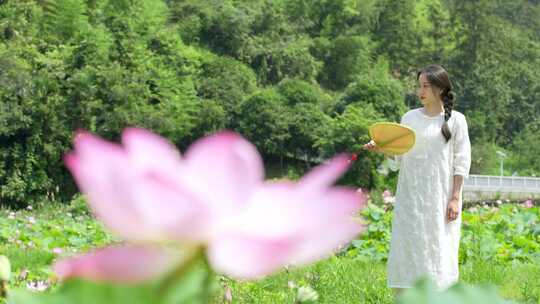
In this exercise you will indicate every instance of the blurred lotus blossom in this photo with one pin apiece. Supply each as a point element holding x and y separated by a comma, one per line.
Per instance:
<point>214,197</point>
<point>387,197</point>
<point>31,220</point>
<point>306,294</point>
<point>473,209</point>
<point>364,195</point>
<point>38,285</point>
<point>528,203</point>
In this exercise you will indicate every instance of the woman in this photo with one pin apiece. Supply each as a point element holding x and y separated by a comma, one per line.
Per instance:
<point>427,218</point>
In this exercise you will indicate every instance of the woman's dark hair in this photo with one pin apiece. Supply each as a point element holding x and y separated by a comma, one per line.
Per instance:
<point>437,76</point>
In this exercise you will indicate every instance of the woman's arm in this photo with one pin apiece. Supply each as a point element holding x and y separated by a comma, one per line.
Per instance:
<point>462,164</point>
<point>452,211</point>
<point>458,184</point>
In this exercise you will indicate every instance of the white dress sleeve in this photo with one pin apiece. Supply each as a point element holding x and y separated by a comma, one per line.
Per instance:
<point>462,148</point>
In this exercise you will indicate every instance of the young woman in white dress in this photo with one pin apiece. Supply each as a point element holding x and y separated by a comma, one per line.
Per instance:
<point>427,219</point>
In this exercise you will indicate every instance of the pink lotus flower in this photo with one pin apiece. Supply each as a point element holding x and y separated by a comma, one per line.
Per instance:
<point>528,203</point>
<point>215,196</point>
<point>387,197</point>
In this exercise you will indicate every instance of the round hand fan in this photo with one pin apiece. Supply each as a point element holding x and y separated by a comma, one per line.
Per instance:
<point>392,138</point>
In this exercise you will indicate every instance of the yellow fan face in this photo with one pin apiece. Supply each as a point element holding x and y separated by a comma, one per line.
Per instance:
<point>392,138</point>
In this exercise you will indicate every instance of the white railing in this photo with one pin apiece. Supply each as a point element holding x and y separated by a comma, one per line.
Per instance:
<point>486,188</point>
<point>521,184</point>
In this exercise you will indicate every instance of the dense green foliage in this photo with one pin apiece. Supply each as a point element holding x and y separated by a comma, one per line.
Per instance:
<point>508,233</point>
<point>302,79</point>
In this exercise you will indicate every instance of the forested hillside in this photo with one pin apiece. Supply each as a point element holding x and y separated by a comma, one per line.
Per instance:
<point>300,79</point>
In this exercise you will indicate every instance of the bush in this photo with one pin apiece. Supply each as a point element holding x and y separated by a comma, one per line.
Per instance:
<point>348,132</point>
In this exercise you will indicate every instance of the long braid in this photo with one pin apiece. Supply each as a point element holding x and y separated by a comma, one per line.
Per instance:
<point>447,98</point>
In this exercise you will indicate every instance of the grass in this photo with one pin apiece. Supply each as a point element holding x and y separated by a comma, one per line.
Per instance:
<point>29,237</point>
<point>347,280</point>
<point>516,281</point>
<point>336,280</point>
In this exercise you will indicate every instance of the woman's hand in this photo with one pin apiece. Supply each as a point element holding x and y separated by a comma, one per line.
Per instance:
<point>452,211</point>
<point>371,146</point>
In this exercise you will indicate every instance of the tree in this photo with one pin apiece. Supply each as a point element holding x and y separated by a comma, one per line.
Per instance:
<point>65,18</point>
<point>396,34</point>
<point>345,58</point>
<point>227,82</point>
<point>264,120</point>
<point>299,91</point>
<point>275,59</point>
<point>378,89</point>
<point>526,148</point>
<point>305,104</point>
<point>436,31</point>
<point>332,18</point>
<point>307,125</point>
<point>497,90</point>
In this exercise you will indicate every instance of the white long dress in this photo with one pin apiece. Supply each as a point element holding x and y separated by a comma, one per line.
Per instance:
<point>424,243</point>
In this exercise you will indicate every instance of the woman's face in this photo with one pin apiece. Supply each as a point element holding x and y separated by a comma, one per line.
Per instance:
<point>427,93</point>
